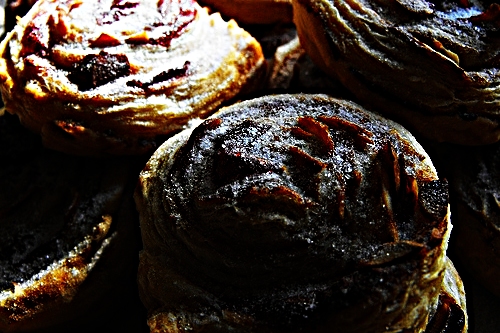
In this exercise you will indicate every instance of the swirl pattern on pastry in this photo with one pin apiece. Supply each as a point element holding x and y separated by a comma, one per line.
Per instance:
<point>114,77</point>
<point>292,213</point>
<point>432,66</point>
<point>67,237</point>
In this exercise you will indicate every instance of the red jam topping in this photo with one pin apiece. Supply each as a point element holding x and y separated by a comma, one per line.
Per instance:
<point>97,69</point>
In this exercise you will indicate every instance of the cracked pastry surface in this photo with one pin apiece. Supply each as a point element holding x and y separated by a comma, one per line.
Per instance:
<point>115,77</point>
<point>292,213</point>
<point>432,66</point>
<point>67,237</point>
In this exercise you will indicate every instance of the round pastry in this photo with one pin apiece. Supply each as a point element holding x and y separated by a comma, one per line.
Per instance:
<point>475,195</point>
<point>254,11</point>
<point>431,66</point>
<point>68,239</point>
<point>116,77</point>
<point>291,213</point>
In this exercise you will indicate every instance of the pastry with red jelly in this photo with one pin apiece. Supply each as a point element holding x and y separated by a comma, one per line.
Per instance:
<point>117,77</point>
<point>295,213</point>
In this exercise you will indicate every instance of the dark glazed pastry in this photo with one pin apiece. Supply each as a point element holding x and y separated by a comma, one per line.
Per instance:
<point>432,66</point>
<point>115,77</point>
<point>254,11</point>
<point>292,213</point>
<point>68,239</point>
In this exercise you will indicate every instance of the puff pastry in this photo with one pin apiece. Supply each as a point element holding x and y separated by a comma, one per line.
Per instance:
<point>117,77</point>
<point>432,66</point>
<point>68,239</point>
<point>292,213</point>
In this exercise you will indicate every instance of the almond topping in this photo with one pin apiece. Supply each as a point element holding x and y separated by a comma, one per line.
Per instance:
<point>105,40</point>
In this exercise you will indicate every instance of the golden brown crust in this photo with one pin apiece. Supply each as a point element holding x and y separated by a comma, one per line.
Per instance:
<point>254,11</point>
<point>425,65</point>
<point>94,78</point>
<point>68,236</point>
<point>289,213</point>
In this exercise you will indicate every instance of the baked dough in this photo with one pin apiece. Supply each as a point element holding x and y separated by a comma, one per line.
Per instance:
<point>118,77</point>
<point>68,239</point>
<point>431,66</point>
<point>292,213</point>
